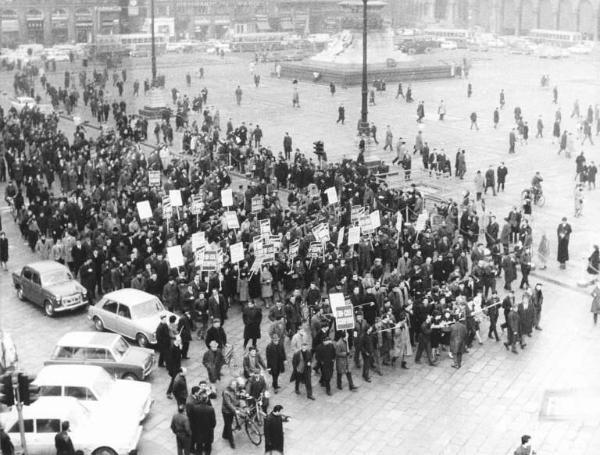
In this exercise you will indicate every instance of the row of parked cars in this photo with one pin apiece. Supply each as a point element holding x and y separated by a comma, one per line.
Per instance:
<point>93,379</point>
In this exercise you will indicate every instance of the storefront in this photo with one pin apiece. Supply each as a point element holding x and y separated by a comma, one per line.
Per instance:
<point>35,26</point>
<point>84,25</point>
<point>59,21</point>
<point>9,24</point>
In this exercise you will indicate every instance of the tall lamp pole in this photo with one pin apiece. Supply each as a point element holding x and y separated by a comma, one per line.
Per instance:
<point>365,90</point>
<point>153,43</point>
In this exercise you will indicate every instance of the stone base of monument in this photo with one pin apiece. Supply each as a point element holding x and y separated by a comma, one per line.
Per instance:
<point>157,104</point>
<point>347,75</point>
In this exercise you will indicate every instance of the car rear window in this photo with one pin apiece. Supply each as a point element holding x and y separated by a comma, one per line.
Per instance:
<point>50,391</point>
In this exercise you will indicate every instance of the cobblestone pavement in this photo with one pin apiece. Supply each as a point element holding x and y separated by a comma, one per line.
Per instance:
<point>480,409</point>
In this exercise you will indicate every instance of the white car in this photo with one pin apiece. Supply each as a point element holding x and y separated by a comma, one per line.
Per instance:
<point>94,433</point>
<point>495,43</point>
<point>580,49</point>
<point>129,312</point>
<point>21,101</point>
<point>96,389</point>
<point>449,45</point>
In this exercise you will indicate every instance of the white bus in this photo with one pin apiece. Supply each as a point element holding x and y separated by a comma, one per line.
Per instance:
<point>555,37</point>
<point>459,36</point>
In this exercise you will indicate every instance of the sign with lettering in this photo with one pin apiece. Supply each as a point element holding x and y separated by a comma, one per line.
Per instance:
<point>293,248</point>
<point>340,237</point>
<point>166,207</point>
<point>332,197</point>
<point>265,226</point>
<point>154,178</point>
<point>315,250</point>
<point>227,197</point>
<point>353,235</point>
<point>342,311</point>
<point>198,240</point>
<point>175,196</point>
<point>232,220</point>
<point>355,213</point>
<point>375,220</point>
<point>144,210</point>
<point>210,261</point>
<point>365,225</point>
<point>196,204</point>
<point>257,204</point>
<point>321,232</point>
<point>237,252</point>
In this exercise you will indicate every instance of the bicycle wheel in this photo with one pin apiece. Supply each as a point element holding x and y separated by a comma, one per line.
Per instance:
<point>541,201</point>
<point>253,432</point>
<point>259,418</point>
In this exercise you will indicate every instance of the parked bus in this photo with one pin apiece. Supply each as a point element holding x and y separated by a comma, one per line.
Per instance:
<point>253,42</point>
<point>460,36</point>
<point>128,43</point>
<point>555,37</point>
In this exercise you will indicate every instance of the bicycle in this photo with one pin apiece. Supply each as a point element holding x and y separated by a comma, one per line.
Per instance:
<point>248,420</point>
<point>229,358</point>
<point>538,198</point>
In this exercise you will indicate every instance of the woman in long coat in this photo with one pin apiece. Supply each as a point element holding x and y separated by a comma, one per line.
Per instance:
<point>564,233</point>
<point>596,302</point>
<point>242,284</point>
<point>266,286</point>
<point>402,346</point>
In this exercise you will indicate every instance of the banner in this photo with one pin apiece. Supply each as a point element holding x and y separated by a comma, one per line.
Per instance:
<point>231,220</point>
<point>154,178</point>
<point>331,195</point>
<point>227,197</point>
<point>236,252</point>
<point>257,204</point>
<point>175,256</point>
<point>353,235</point>
<point>175,197</point>
<point>166,207</point>
<point>144,210</point>
<point>342,311</point>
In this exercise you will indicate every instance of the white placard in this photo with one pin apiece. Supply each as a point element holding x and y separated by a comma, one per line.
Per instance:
<point>175,256</point>
<point>353,235</point>
<point>237,252</point>
<point>265,227</point>
<point>232,220</point>
<point>421,221</point>
<point>399,221</point>
<point>175,197</point>
<point>144,210</point>
<point>321,232</point>
<point>227,197</point>
<point>331,195</point>
<point>198,240</point>
<point>336,300</point>
<point>154,178</point>
<point>340,237</point>
<point>375,220</point>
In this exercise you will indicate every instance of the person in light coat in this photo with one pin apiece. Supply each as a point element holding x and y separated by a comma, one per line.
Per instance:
<point>266,286</point>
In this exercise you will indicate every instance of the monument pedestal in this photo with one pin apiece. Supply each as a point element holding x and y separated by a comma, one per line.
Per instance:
<point>157,104</point>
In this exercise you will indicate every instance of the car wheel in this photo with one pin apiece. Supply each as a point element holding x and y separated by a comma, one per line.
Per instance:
<point>130,377</point>
<point>98,324</point>
<point>142,340</point>
<point>48,308</point>
<point>104,451</point>
<point>20,294</point>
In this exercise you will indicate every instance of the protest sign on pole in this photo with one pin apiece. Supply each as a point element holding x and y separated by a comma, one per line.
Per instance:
<point>144,210</point>
<point>399,221</point>
<point>257,204</point>
<point>276,241</point>
<point>175,197</point>
<point>315,250</point>
<point>340,237</point>
<point>198,240</point>
<point>237,252</point>
<point>232,220</point>
<point>265,226</point>
<point>375,220</point>
<point>355,213</point>
<point>210,261</point>
<point>175,256</point>
<point>331,195</point>
<point>353,235</point>
<point>227,197</point>
<point>154,178</point>
<point>365,225</point>
<point>293,249</point>
<point>196,204</point>
<point>321,232</point>
<point>166,207</point>
<point>421,221</point>
<point>342,311</point>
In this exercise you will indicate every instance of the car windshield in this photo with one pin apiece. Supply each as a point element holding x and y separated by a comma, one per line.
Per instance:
<point>102,384</point>
<point>146,309</point>
<point>56,276</point>
<point>120,347</point>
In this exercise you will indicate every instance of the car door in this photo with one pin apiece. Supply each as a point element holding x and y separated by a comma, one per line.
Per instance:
<point>101,357</point>
<point>45,431</point>
<point>108,313</point>
<point>26,283</point>
<point>33,445</point>
<point>36,288</point>
<point>125,325</point>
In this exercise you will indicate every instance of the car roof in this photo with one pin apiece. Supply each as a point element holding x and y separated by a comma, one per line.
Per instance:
<point>68,375</point>
<point>88,339</point>
<point>46,266</point>
<point>130,296</point>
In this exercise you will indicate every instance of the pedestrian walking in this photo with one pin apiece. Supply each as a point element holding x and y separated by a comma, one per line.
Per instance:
<point>389,139</point>
<point>180,426</point>
<point>596,301</point>
<point>6,445</point>
<point>502,99</point>
<point>512,140</point>
<point>442,110</point>
<point>273,431</point>
<point>341,114</point>
<point>3,250</point>
<point>458,339</point>
<point>564,234</point>
<point>238,95</point>
<point>496,118</point>
<point>525,447</point>
<point>62,440</point>
<point>276,359</point>
<point>302,370</point>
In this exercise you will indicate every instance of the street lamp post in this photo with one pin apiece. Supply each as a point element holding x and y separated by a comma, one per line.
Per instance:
<point>153,43</point>
<point>364,124</point>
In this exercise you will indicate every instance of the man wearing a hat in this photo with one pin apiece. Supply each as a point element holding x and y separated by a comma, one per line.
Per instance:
<point>213,361</point>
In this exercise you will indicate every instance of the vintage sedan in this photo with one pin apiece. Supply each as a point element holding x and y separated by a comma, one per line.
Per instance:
<point>129,312</point>
<point>50,285</point>
<point>107,350</point>
<point>95,389</point>
<point>94,433</point>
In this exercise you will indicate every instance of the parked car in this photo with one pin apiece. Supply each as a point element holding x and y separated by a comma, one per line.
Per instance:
<point>580,49</point>
<point>449,45</point>
<point>418,46</point>
<point>21,101</point>
<point>94,433</point>
<point>95,389</point>
<point>50,285</point>
<point>129,312</point>
<point>107,350</point>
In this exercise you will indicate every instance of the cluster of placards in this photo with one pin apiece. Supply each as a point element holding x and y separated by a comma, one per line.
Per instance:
<point>321,232</point>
